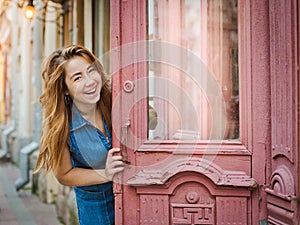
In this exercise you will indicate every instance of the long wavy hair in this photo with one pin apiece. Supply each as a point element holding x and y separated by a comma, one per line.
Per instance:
<point>56,110</point>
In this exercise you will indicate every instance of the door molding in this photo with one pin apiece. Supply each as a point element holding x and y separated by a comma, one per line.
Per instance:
<point>160,175</point>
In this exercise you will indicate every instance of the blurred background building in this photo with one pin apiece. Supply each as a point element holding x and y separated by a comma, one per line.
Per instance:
<point>24,43</point>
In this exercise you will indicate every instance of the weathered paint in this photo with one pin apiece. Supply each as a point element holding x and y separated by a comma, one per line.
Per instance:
<point>260,103</point>
<point>248,182</point>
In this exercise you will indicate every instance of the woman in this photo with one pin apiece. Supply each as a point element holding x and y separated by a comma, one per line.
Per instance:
<point>76,133</point>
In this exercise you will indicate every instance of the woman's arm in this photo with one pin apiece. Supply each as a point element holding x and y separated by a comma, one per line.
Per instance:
<point>69,176</point>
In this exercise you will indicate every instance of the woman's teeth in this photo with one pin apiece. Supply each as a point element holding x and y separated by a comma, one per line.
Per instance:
<point>91,92</point>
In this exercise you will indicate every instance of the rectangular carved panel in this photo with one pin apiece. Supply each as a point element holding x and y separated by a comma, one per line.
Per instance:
<point>232,211</point>
<point>283,67</point>
<point>192,214</point>
<point>154,209</point>
<point>284,105</point>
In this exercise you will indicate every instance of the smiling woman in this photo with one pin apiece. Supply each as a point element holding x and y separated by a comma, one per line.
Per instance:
<point>76,135</point>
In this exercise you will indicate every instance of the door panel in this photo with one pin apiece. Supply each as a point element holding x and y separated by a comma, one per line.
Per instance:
<point>281,196</point>
<point>176,113</point>
<point>192,199</point>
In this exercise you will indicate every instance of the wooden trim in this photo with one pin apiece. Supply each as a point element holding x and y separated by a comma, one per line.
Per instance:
<point>115,37</point>
<point>154,175</point>
<point>260,103</point>
<point>245,84</point>
<point>188,147</point>
<point>297,152</point>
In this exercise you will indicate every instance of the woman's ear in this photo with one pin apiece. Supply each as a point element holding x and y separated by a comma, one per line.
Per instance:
<point>66,91</point>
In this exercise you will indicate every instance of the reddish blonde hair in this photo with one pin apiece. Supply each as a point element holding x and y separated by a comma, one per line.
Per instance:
<point>56,111</point>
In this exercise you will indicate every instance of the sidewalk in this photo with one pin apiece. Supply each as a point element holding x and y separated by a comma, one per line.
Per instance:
<point>21,208</point>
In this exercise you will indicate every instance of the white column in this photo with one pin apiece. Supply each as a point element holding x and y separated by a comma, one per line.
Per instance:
<point>88,12</point>
<point>51,34</point>
<point>14,62</point>
<point>51,43</point>
<point>24,80</point>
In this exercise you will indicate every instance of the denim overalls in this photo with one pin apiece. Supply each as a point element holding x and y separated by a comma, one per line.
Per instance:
<point>88,148</point>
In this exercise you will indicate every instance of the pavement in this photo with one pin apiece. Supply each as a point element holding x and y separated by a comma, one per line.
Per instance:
<point>22,207</point>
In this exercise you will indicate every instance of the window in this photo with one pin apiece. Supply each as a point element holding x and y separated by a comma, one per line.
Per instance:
<point>193,70</point>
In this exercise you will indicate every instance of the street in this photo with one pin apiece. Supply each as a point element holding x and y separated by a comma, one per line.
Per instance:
<point>23,207</point>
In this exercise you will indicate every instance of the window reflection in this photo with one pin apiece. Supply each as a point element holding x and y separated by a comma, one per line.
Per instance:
<point>182,106</point>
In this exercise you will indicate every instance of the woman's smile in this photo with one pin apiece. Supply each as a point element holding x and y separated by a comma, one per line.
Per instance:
<point>91,91</point>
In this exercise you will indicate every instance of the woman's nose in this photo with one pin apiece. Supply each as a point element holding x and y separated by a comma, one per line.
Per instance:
<point>88,79</point>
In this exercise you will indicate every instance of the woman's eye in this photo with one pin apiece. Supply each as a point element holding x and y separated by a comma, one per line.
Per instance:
<point>77,78</point>
<point>91,70</point>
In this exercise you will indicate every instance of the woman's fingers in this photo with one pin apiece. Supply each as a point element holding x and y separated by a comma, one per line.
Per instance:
<point>113,151</point>
<point>114,163</point>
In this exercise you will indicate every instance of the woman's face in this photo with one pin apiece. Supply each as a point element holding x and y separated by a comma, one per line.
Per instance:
<point>83,81</point>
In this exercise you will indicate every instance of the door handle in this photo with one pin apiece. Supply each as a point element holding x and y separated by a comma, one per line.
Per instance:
<point>124,135</point>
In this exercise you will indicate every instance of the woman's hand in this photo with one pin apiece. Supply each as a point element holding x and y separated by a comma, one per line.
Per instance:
<point>114,163</point>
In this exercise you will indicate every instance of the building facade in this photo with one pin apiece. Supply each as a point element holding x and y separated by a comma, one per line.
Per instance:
<point>205,111</point>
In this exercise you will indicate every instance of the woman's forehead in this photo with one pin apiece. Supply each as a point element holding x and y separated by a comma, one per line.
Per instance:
<point>77,63</point>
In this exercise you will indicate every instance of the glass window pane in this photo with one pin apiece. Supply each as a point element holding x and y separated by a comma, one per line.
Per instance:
<point>193,74</point>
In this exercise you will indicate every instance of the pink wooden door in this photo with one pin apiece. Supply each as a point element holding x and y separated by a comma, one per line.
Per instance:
<point>283,192</point>
<point>181,114</point>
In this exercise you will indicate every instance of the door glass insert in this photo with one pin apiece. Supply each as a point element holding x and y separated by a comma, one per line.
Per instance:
<point>193,73</point>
